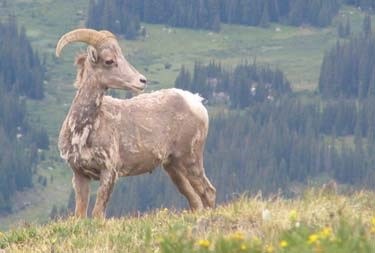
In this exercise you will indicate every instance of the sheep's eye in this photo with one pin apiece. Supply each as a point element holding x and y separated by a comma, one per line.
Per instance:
<point>109,62</point>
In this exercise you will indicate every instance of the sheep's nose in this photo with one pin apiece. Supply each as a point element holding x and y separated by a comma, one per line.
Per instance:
<point>143,80</point>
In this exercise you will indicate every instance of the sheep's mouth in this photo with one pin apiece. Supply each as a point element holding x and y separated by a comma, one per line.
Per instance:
<point>137,89</point>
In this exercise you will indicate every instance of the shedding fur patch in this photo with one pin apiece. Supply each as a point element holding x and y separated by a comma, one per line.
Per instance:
<point>80,65</point>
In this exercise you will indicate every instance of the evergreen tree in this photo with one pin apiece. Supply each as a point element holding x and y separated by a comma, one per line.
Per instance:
<point>246,85</point>
<point>366,26</point>
<point>344,30</point>
<point>265,18</point>
<point>348,29</point>
<point>348,67</point>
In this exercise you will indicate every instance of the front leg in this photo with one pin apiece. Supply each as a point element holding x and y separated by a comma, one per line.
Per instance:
<point>107,181</point>
<point>81,185</point>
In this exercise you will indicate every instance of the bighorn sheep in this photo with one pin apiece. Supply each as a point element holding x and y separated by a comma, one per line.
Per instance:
<point>103,137</point>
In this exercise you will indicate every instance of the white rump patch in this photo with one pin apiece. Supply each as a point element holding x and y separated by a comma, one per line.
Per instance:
<point>192,98</point>
<point>195,103</point>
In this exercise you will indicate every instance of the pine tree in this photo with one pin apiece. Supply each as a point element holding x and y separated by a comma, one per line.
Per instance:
<point>348,29</point>
<point>341,30</point>
<point>366,26</point>
<point>265,18</point>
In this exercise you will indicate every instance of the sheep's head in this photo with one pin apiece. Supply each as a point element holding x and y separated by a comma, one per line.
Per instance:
<point>104,59</point>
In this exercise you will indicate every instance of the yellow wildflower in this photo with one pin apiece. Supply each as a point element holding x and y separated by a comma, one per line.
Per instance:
<point>373,221</point>
<point>326,232</point>
<point>204,243</point>
<point>238,236</point>
<point>283,244</point>
<point>243,247</point>
<point>293,215</point>
<point>313,238</point>
<point>269,249</point>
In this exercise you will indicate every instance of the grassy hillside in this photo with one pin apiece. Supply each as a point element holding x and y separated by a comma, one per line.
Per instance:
<point>297,51</point>
<point>319,221</point>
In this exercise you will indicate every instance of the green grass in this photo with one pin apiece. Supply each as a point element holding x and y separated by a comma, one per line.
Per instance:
<point>319,221</point>
<point>297,51</point>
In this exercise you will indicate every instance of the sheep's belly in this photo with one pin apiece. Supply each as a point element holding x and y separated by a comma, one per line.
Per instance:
<point>140,164</point>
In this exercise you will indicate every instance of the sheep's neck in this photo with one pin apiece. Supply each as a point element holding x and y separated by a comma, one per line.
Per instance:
<point>86,104</point>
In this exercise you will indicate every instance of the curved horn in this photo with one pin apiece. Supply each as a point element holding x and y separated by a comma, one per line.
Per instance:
<point>89,36</point>
<point>107,33</point>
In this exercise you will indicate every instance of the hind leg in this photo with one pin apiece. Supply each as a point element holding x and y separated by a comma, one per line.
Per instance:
<point>206,191</point>
<point>183,184</point>
<point>202,186</point>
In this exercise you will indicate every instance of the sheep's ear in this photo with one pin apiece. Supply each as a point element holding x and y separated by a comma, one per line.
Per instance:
<point>92,54</point>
